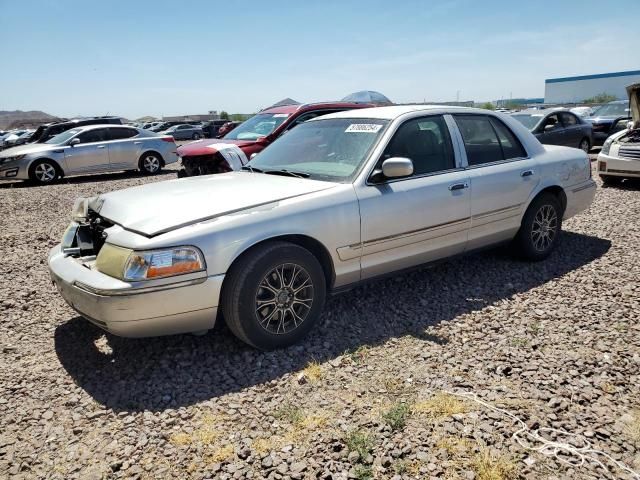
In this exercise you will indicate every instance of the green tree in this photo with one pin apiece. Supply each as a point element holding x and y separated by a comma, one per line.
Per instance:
<point>224,115</point>
<point>488,106</point>
<point>600,98</point>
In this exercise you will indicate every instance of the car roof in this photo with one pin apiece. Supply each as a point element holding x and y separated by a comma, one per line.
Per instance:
<point>395,111</point>
<point>315,106</point>
<point>101,125</point>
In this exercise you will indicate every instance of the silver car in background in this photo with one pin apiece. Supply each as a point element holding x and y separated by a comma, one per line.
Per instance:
<point>184,132</point>
<point>88,149</point>
<point>340,199</point>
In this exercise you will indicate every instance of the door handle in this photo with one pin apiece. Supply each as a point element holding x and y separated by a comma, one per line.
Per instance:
<point>527,173</point>
<point>458,186</point>
<point>137,143</point>
<point>100,146</point>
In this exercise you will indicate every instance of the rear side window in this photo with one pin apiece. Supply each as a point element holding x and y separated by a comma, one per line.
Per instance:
<point>568,119</point>
<point>121,133</point>
<point>487,140</point>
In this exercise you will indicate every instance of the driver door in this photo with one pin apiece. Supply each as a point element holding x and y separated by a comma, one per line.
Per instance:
<point>551,131</point>
<point>90,155</point>
<point>410,221</point>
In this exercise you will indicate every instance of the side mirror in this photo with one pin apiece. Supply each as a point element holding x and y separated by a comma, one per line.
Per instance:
<point>74,141</point>
<point>550,126</point>
<point>397,167</point>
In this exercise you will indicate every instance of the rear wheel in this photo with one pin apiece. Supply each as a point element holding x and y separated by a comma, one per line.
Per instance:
<point>610,180</point>
<point>44,172</point>
<point>585,145</point>
<point>540,229</point>
<point>150,163</point>
<point>274,295</point>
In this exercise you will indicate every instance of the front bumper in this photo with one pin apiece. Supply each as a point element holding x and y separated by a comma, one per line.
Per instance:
<point>13,171</point>
<point>618,166</point>
<point>119,308</point>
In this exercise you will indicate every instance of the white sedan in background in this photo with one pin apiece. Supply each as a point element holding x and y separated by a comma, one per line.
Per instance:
<point>340,199</point>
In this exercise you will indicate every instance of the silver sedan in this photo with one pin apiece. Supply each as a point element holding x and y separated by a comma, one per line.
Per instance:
<point>89,149</point>
<point>338,200</point>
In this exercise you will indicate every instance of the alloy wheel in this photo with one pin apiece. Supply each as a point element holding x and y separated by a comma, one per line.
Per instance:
<point>544,228</point>
<point>283,299</point>
<point>45,172</point>
<point>584,145</point>
<point>151,163</point>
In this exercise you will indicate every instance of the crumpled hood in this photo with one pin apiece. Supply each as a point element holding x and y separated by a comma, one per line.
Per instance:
<point>26,149</point>
<point>160,207</point>
<point>208,147</point>
<point>633,91</point>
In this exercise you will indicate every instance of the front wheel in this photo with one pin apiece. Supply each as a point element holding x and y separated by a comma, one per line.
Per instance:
<point>274,295</point>
<point>196,136</point>
<point>540,229</point>
<point>44,172</point>
<point>150,163</point>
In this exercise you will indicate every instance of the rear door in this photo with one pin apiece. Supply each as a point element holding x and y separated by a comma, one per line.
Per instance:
<point>124,148</point>
<point>572,129</point>
<point>90,155</point>
<point>502,178</point>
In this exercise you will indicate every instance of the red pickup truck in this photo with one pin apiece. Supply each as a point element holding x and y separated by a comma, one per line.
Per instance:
<point>235,149</point>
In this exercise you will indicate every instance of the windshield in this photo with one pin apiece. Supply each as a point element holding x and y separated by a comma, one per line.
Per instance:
<point>63,137</point>
<point>529,121</point>
<point>259,125</point>
<point>332,149</point>
<point>612,110</point>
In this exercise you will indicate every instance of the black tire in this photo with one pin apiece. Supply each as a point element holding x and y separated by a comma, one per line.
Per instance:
<point>44,172</point>
<point>196,136</point>
<point>253,312</point>
<point>585,145</point>
<point>540,229</point>
<point>150,163</point>
<point>610,180</point>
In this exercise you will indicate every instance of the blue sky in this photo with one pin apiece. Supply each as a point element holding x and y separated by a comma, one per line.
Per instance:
<point>134,58</point>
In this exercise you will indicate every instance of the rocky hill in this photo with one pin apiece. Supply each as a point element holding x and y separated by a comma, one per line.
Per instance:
<point>18,118</point>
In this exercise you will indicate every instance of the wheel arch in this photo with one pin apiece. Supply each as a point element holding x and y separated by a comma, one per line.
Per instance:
<point>555,190</point>
<point>314,246</point>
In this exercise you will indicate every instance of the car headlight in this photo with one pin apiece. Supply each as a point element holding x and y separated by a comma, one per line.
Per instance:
<point>12,159</point>
<point>606,146</point>
<point>134,266</point>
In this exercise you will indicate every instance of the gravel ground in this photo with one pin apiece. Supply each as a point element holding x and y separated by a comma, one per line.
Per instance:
<point>371,394</point>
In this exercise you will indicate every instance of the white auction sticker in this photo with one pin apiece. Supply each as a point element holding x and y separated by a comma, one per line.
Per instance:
<point>363,128</point>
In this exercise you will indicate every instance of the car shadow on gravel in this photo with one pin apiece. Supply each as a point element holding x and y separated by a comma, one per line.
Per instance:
<point>170,372</point>
<point>98,177</point>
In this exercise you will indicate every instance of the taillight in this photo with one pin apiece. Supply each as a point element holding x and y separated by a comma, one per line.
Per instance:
<point>168,139</point>
<point>602,166</point>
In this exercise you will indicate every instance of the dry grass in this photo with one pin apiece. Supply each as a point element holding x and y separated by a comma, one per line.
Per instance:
<point>632,426</point>
<point>489,466</point>
<point>206,434</point>
<point>441,405</point>
<point>221,454</point>
<point>455,446</point>
<point>313,372</point>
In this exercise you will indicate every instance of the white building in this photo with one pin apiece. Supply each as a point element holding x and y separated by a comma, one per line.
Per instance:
<point>577,89</point>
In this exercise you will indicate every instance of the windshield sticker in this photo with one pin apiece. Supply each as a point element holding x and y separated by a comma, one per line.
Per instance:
<point>363,128</point>
<point>281,115</point>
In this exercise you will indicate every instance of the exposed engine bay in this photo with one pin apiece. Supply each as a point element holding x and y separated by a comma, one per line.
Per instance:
<point>84,239</point>
<point>204,165</point>
<point>632,136</point>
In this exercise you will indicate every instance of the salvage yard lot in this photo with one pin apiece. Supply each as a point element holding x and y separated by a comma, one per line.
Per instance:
<point>555,343</point>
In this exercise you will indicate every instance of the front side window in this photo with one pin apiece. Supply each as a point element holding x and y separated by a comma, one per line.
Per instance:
<point>552,120</point>
<point>331,150</point>
<point>612,110</point>
<point>425,141</point>
<point>259,125</point>
<point>92,136</point>
<point>487,140</point>
<point>63,137</point>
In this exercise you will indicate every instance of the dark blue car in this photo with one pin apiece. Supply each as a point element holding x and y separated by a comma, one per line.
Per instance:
<point>608,119</point>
